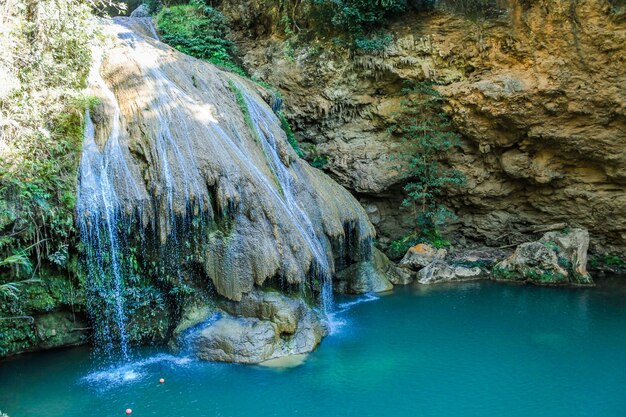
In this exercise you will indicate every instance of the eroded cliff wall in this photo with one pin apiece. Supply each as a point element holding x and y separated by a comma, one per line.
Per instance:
<point>539,96</point>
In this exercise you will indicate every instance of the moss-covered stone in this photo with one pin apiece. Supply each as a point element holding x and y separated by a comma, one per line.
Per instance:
<point>558,258</point>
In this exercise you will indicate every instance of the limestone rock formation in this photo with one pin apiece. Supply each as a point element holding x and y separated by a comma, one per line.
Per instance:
<point>190,164</point>
<point>260,327</point>
<point>141,11</point>
<point>421,255</point>
<point>558,258</point>
<point>442,271</point>
<point>186,149</point>
<point>538,94</point>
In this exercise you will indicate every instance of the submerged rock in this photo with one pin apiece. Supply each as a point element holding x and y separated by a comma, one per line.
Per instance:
<point>558,258</point>
<point>420,255</point>
<point>262,326</point>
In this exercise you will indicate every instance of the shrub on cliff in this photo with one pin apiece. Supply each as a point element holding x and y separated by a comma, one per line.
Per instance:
<point>198,30</point>
<point>427,137</point>
<point>43,66</point>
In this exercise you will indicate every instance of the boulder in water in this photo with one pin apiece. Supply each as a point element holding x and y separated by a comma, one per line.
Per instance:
<point>373,275</point>
<point>442,271</point>
<point>260,327</point>
<point>420,255</point>
<point>558,258</point>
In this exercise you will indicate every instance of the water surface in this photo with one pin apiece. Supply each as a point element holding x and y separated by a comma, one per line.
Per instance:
<point>479,349</point>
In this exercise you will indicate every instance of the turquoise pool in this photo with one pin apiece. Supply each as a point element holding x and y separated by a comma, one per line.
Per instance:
<point>478,349</point>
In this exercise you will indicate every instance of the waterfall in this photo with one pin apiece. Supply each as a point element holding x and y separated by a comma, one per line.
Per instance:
<point>105,179</point>
<point>176,187</point>
<point>261,116</point>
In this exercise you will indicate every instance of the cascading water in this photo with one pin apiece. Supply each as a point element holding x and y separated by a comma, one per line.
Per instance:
<point>261,116</point>
<point>105,179</point>
<point>182,188</point>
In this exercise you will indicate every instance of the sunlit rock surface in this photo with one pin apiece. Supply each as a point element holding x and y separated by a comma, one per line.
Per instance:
<point>538,94</point>
<point>260,327</point>
<point>189,164</point>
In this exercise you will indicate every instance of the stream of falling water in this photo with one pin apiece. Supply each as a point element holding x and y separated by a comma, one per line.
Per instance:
<point>100,215</point>
<point>260,116</point>
<point>110,202</point>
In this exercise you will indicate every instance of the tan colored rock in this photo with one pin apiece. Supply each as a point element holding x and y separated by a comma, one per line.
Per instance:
<point>441,271</point>
<point>421,255</point>
<point>558,258</point>
<point>376,275</point>
<point>572,245</point>
<point>243,340</point>
<point>260,327</point>
<point>539,96</point>
<point>183,150</point>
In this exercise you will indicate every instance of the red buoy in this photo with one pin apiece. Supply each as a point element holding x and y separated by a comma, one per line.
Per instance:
<point>129,411</point>
<point>161,380</point>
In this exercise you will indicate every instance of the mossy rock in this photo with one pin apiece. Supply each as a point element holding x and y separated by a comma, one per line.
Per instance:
<point>558,258</point>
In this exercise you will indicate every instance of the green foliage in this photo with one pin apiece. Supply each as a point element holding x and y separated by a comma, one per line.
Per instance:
<point>607,261</point>
<point>552,246</point>
<point>243,106</point>
<point>153,6</point>
<point>198,30</point>
<point>357,17</point>
<point>564,263</point>
<point>375,42</point>
<point>399,247</point>
<point>38,187</point>
<point>427,137</point>
<point>614,260</point>
<point>46,58</point>
<point>12,289</point>
<point>358,23</point>
<point>289,132</point>
<point>618,7</point>
<point>319,161</point>
<point>503,273</point>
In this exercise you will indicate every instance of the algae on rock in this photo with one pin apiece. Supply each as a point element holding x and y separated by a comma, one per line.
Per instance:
<point>204,181</point>
<point>558,258</point>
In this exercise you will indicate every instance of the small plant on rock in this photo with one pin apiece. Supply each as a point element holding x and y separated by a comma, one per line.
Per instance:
<point>428,138</point>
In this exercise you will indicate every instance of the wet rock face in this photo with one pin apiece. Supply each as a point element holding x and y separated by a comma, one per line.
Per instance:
<point>558,258</point>
<point>141,11</point>
<point>262,326</point>
<point>539,96</point>
<point>196,158</point>
<point>375,275</point>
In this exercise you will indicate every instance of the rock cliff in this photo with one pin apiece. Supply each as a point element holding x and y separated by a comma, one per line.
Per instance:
<point>539,95</point>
